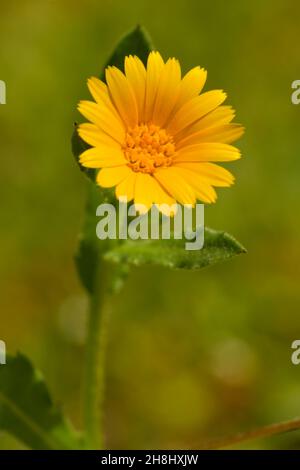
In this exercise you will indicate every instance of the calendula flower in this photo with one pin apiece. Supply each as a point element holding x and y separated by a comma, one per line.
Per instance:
<point>154,136</point>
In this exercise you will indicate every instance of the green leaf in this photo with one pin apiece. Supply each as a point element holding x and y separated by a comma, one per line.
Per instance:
<point>136,42</point>
<point>27,411</point>
<point>218,246</point>
<point>90,249</point>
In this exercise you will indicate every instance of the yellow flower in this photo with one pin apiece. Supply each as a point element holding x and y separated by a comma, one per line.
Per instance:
<point>154,136</point>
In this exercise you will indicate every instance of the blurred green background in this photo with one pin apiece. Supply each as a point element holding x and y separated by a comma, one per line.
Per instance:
<point>192,355</point>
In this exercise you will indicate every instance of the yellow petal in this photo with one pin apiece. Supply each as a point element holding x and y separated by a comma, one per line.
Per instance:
<point>108,177</point>
<point>155,66</point>
<point>148,191</point>
<point>99,92</point>
<point>136,75</point>
<point>217,117</point>
<point>122,95</point>
<point>203,190</point>
<point>174,184</point>
<point>91,134</point>
<point>143,193</point>
<point>125,189</point>
<point>226,134</point>
<point>195,109</point>
<point>103,118</point>
<point>214,175</point>
<point>191,85</point>
<point>161,196</point>
<point>207,152</point>
<point>167,92</point>
<point>102,156</point>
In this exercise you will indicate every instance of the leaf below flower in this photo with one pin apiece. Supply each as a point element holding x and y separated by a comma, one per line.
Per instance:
<point>27,411</point>
<point>218,247</point>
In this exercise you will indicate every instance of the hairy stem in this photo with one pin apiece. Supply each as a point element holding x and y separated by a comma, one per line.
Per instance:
<point>95,365</point>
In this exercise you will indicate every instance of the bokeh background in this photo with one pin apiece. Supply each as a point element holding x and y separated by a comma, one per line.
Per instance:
<point>192,355</point>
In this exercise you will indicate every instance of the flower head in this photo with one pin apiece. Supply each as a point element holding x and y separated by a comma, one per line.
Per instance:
<point>154,136</point>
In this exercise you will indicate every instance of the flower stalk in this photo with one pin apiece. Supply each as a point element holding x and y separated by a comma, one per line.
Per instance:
<point>95,363</point>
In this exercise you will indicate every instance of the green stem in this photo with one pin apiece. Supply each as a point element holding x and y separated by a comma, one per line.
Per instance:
<point>95,366</point>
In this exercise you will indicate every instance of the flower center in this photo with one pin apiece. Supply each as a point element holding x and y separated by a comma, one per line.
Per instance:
<point>147,147</point>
